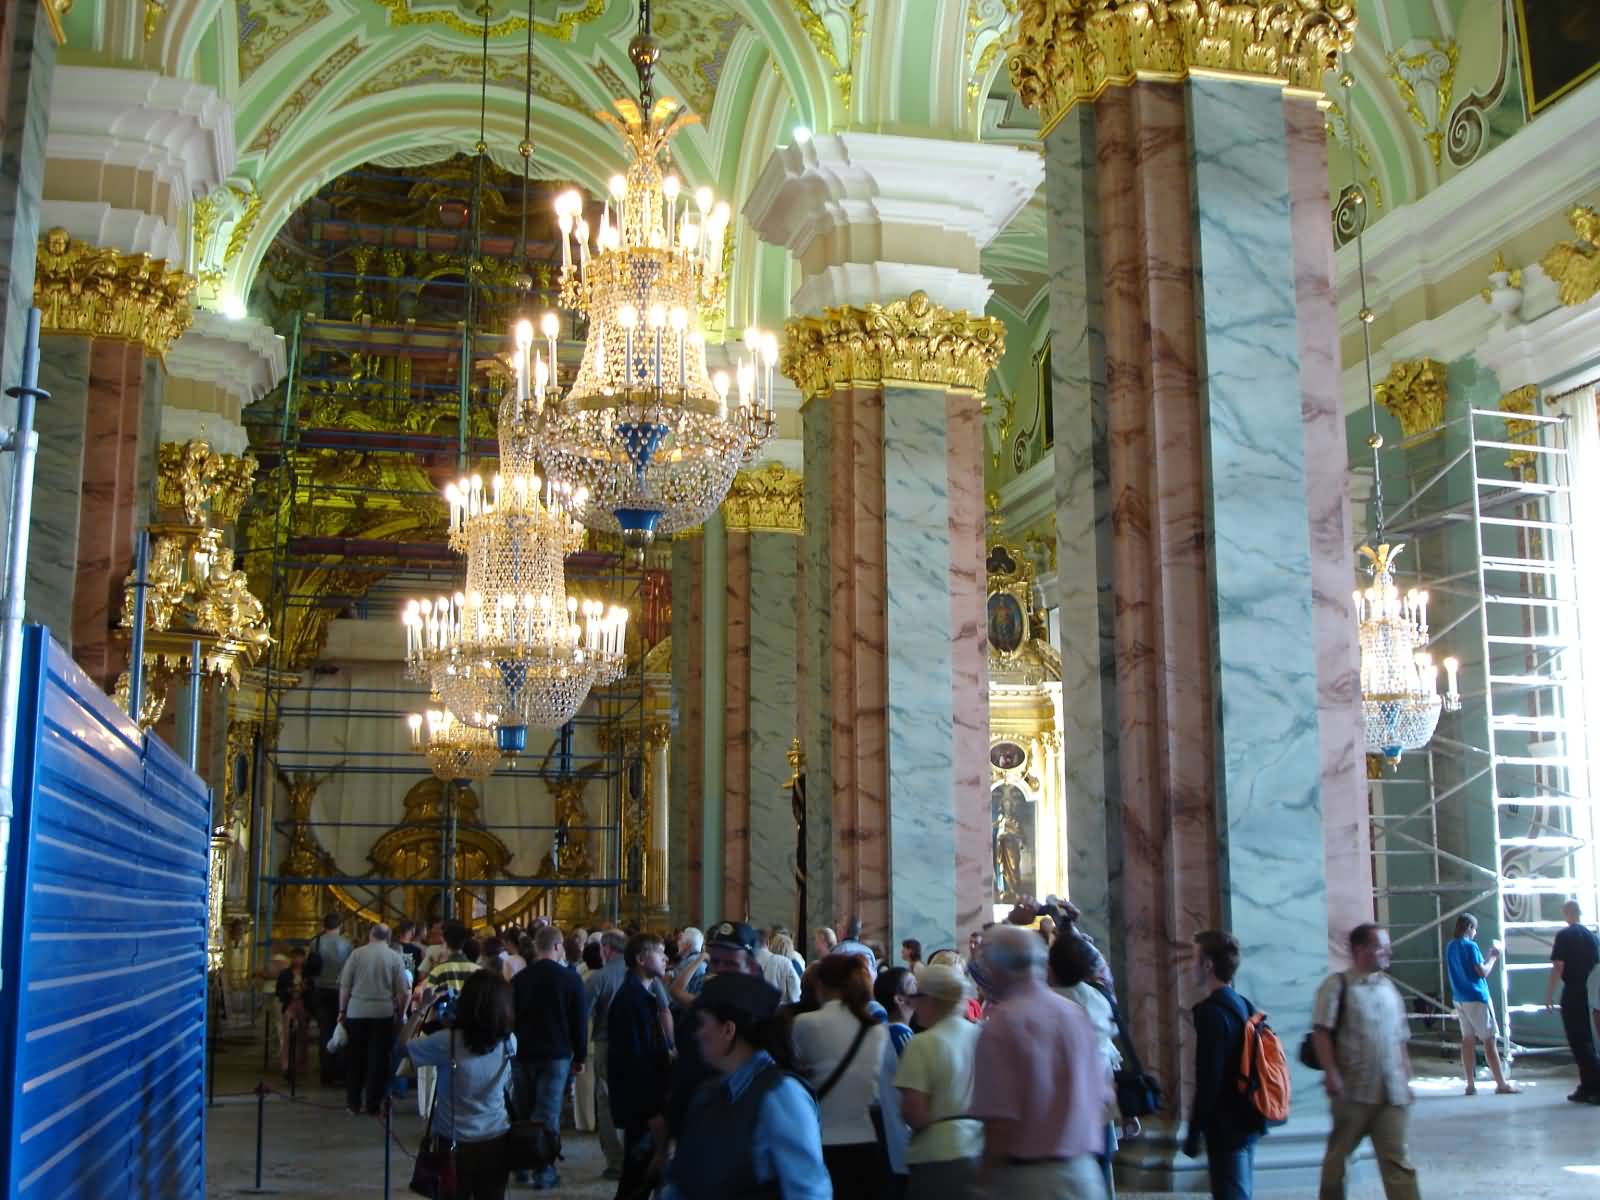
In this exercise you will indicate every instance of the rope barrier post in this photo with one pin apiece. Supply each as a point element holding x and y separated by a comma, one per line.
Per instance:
<point>261,1129</point>
<point>388,1142</point>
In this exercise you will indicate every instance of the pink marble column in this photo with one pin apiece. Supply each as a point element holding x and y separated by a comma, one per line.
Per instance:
<point>858,645</point>
<point>1345,818</point>
<point>736,731</point>
<point>1157,474</point>
<point>974,859</point>
<point>693,702</point>
<point>109,507</point>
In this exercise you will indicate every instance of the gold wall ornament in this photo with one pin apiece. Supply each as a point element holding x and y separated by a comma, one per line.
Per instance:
<point>431,12</point>
<point>1415,393</point>
<point>1526,433</point>
<point>1424,74</point>
<point>190,476</point>
<point>87,290</point>
<point>835,28</point>
<point>770,500</point>
<point>1067,51</point>
<point>908,341</point>
<point>1575,265</point>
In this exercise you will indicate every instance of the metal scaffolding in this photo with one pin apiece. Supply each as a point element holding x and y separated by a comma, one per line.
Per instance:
<point>1499,809</point>
<point>373,414</point>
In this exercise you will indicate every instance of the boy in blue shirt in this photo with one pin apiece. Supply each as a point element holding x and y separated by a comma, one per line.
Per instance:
<point>1468,970</point>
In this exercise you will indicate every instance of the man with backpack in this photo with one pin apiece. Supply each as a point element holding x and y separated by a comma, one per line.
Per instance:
<point>1225,1115</point>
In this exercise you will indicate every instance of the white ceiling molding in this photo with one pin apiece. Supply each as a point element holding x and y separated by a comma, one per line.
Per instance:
<point>813,189</point>
<point>1562,343</point>
<point>220,432</point>
<point>1472,214</point>
<point>179,130</point>
<point>242,357</point>
<point>114,228</point>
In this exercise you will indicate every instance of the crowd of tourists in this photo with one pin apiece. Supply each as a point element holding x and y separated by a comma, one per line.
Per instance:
<point>724,1063</point>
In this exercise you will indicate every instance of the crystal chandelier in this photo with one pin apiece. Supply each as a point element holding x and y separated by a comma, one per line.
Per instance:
<point>512,648</point>
<point>643,426</point>
<point>456,751</point>
<point>1400,700</point>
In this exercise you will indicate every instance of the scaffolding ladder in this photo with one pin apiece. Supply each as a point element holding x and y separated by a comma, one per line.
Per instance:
<point>1517,747</point>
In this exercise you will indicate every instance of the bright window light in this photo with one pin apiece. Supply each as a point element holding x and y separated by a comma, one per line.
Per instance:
<point>801,135</point>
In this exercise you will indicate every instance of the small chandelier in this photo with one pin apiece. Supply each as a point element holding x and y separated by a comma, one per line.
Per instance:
<point>512,649</point>
<point>1400,700</point>
<point>643,427</point>
<point>456,751</point>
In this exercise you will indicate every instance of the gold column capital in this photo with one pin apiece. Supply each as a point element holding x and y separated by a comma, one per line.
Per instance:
<point>910,341</point>
<point>1415,393</point>
<point>1067,51</point>
<point>84,289</point>
<point>769,500</point>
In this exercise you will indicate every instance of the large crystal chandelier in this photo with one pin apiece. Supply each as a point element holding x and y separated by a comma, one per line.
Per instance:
<point>1400,700</point>
<point>644,427</point>
<point>512,649</point>
<point>455,750</point>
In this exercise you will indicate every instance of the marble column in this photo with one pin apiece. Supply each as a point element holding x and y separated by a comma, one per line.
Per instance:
<point>1199,500</point>
<point>687,755</point>
<point>27,65</point>
<point>892,353</point>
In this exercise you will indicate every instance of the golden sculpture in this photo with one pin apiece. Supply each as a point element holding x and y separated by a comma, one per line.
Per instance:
<point>908,341</point>
<point>1524,433</point>
<point>84,289</point>
<point>413,850</point>
<point>1067,51</point>
<point>192,591</point>
<point>1415,393</point>
<point>1575,266</point>
<point>297,907</point>
<point>770,500</point>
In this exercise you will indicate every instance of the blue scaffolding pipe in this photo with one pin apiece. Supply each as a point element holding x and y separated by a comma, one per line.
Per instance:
<point>462,884</point>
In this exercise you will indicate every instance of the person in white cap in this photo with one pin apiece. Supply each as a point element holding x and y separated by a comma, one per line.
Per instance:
<point>935,1086</point>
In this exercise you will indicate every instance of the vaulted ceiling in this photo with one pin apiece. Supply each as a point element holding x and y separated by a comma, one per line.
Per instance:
<point>320,86</point>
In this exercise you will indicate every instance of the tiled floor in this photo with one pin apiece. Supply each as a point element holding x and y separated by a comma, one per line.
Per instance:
<point>1535,1146</point>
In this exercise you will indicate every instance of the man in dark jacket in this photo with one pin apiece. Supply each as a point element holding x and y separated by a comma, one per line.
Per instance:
<point>639,1065</point>
<point>1221,1114</point>
<point>552,1026</point>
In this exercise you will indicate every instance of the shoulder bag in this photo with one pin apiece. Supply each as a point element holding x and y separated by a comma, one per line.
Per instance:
<point>312,968</point>
<point>1308,1044</point>
<point>1138,1091</point>
<point>434,1172</point>
<point>844,1063</point>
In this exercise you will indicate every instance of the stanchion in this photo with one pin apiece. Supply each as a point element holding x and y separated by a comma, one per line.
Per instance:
<point>261,1129</point>
<point>388,1142</point>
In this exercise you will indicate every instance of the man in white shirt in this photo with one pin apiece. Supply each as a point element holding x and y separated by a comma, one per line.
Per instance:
<point>777,969</point>
<point>935,1086</point>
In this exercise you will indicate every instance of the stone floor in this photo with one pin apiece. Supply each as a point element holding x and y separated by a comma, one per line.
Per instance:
<point>1535,1146</point>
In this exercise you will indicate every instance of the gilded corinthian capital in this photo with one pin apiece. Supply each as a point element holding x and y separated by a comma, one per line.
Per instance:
<point>909,341</point>
<point>769,500</point>
<point>1071,50</point>
<point>79,288</point>
<point>1415,393</point>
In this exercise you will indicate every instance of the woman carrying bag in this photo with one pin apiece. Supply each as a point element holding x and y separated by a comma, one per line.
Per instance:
<point>466,1152</point>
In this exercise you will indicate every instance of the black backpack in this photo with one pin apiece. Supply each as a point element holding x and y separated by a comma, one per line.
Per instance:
<point>313,964</point>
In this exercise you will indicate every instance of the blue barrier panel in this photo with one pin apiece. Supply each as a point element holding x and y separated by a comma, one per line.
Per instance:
<point>102,1013</point>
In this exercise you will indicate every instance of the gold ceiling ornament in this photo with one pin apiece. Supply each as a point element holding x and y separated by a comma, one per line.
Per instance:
<point>1575,265</point>
<point>424,12</point>
<point>770,500</point>
<point>193,594</point>
<point>1067,51</point>
<point>835,28</point>
<point>84,289</point>
<point>1426,76</point>
<point>1415,393</point>
<point>911,341</point>
<point>1526,433</point>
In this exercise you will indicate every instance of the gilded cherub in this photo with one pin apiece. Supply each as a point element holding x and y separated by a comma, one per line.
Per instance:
<point>1575,266</point>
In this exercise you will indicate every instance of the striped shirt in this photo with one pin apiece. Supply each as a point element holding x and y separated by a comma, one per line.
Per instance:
<point>452,974</point>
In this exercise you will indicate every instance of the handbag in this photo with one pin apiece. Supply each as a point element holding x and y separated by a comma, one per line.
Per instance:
<point>530,1145</point>
<point>1138,1092</point>
<point>1308,1044</point>
<point>433,1174</point>
<point>338,1039</point>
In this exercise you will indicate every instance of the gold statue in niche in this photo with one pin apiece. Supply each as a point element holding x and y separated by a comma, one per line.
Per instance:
<point>414,849</point>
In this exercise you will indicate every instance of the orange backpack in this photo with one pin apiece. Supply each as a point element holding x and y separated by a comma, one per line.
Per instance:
<point>1263,1070</point>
